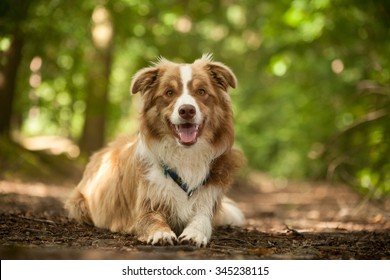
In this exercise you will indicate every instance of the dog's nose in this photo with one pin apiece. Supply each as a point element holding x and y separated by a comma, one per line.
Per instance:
<point>187,112</point>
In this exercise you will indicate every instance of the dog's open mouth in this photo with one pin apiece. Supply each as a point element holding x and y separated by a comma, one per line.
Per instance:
<point>186,133</point>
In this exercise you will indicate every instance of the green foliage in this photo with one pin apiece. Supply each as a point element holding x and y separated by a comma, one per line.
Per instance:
<point>314,75</point>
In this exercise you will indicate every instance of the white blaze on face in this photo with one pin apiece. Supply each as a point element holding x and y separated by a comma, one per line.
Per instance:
<point>187,130</point>
<point>185,97</point>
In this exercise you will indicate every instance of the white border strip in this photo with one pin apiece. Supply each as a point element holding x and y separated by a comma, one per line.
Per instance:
<point>193,269</point>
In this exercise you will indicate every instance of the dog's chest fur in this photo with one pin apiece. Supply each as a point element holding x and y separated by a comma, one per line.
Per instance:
<point>192,165</point>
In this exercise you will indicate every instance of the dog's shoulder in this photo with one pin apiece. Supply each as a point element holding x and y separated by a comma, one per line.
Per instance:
<point>224,167</point>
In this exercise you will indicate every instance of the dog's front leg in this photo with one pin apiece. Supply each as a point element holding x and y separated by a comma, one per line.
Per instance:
<point>152,228</point>
<point>198,230</point>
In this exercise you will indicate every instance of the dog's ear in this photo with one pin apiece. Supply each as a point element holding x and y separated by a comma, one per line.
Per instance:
<point>144,79</point>
<point>222,75</point>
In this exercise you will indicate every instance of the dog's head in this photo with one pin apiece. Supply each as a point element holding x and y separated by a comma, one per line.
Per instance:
<point>186,102</point>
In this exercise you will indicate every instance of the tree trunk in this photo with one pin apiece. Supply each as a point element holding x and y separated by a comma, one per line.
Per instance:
<point>96,102</point>
<point>8,75</point>
<point>99,60</point>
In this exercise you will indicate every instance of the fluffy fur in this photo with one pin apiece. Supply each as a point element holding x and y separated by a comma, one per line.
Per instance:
<point>186,123</point>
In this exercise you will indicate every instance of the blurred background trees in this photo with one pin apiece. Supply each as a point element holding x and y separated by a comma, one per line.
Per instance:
<point>314,76</point>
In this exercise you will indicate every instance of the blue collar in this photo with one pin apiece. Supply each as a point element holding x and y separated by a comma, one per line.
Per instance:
<point>179,181</point>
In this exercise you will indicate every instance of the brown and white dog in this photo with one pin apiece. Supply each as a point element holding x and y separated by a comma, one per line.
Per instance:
<point>168,184</point>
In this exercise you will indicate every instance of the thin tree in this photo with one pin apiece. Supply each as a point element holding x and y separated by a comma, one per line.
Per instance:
<point>99,59</point>
<point>12,16</point>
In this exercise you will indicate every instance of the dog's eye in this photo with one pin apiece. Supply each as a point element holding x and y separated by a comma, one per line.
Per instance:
<point>169,93</point>
<point>201,92</point>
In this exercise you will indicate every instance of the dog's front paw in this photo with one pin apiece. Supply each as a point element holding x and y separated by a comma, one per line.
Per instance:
<point>161,237</point>
<point>193,236</point>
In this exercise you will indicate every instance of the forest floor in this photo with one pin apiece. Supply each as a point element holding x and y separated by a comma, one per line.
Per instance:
<point>285,220</point>
<point>293,221</point>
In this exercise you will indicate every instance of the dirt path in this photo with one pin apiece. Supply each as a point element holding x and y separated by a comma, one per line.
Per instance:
<point>284,221</point>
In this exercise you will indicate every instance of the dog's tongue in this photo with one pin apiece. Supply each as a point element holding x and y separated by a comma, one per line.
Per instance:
<point>188,133</point>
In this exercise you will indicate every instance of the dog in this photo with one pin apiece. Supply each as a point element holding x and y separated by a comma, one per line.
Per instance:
<point>167,185</point>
